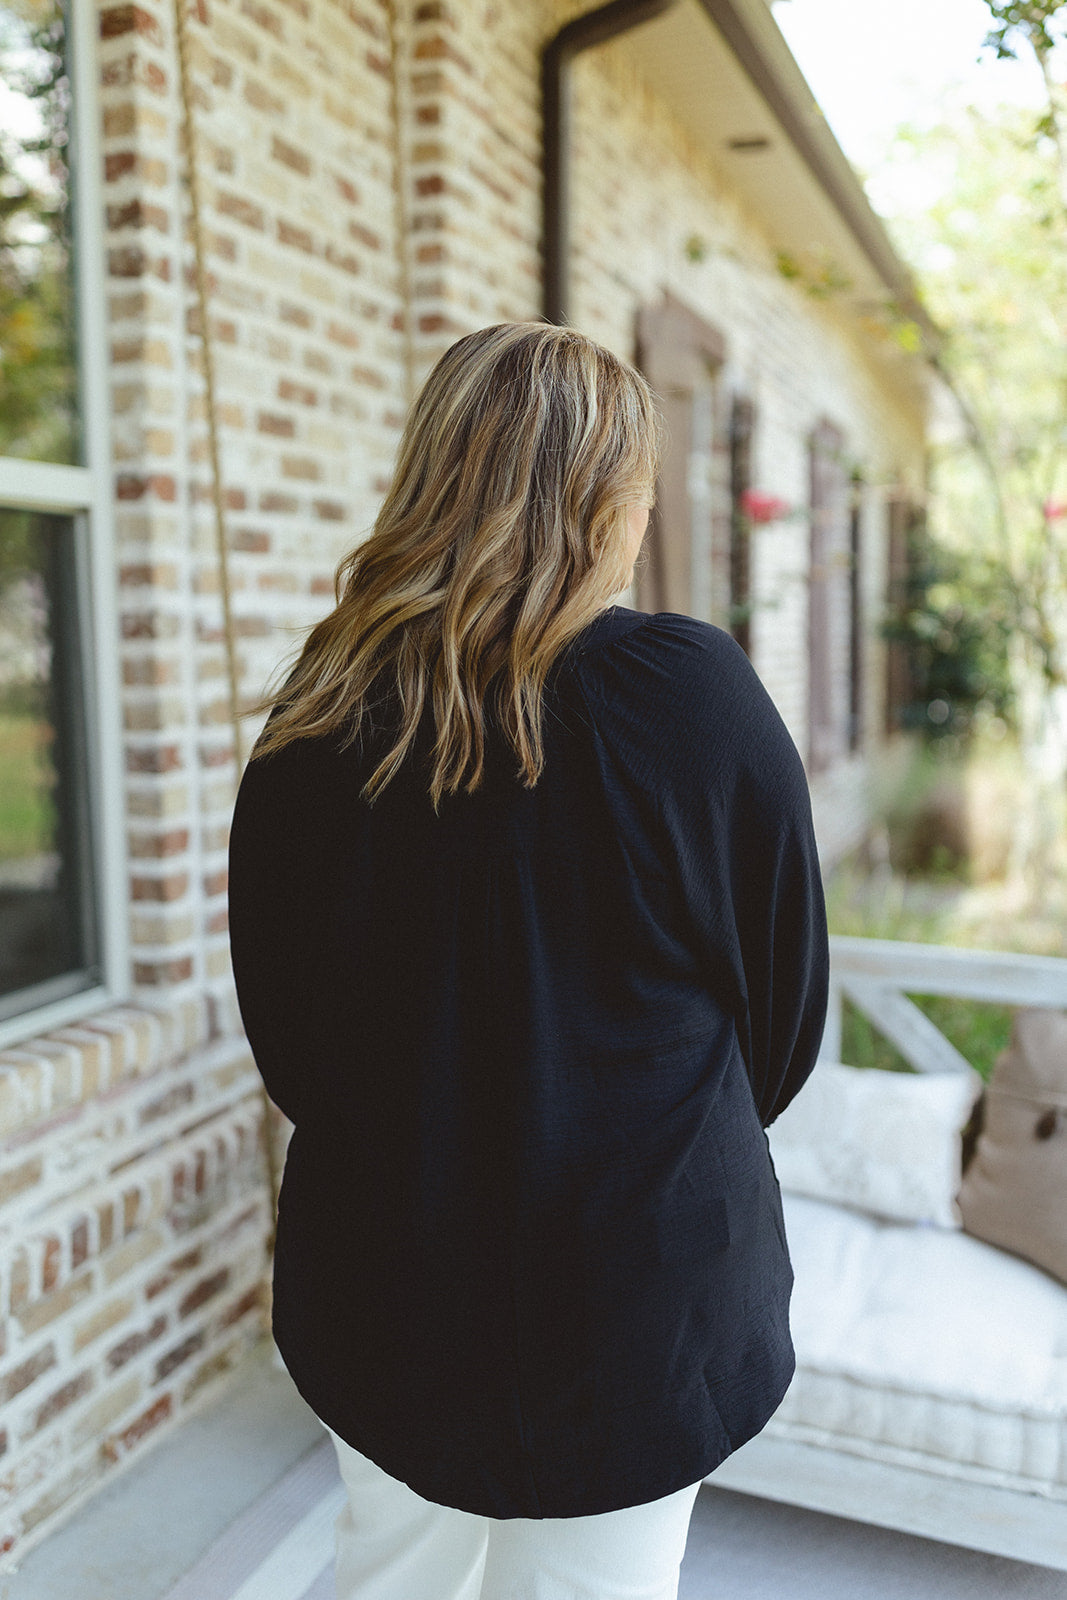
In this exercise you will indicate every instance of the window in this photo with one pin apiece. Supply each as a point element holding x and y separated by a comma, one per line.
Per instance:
<point>60,828</point>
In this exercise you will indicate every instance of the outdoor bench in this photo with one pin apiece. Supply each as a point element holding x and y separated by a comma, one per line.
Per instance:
<point>930,1393</point>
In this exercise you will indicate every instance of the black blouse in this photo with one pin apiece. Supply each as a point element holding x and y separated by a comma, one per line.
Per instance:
<point>530,1254</point>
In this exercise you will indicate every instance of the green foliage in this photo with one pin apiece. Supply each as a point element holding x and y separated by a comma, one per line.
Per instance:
<point>820,279</point>
<point>990,250</point>
<point>38,397</point>
<point>979,1032</point>
<point>954,621</point>
<point>27,810</point>
<point>1033,19</point>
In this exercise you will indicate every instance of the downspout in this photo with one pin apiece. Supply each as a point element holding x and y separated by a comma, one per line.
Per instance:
<point>593,27</point>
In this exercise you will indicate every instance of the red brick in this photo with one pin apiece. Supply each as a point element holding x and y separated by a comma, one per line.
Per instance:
<point>180,1094</point>
<point>203,1291</point>
<point>50,1264</point>
<point>70,1391</point>
<point>281,427</point>
<point>263,18</point>
<point>145,625</point>
<point>118,163</point>
<point>79,1242</point>
<point>339,334</point>
<point>329,510</point>
<point>343,259</point>
<point>134,1343</point>
<point>369,376</point>
<point>132,486</point>
<point>300,392</point>
<point>299,238</point>
<point>216,882</point>
<point>128,262</point>
<point>165,758</point>
<point>250,539</point>
<point>438,48</point>
<point>365,236</point>
<point>181,1352</point>
<point>259,96</point>
<point>301,467</point>
<point>116,1444</point>
<point>171,843</point>
<point>165,889</point>
<point>177,970</point>
<point>138,213</point>
<point>117,20</point>
<point>242,210</point>
<point>290,156</point>
<point>183,1263</point>
<point>219,755</point>
<point>252,1299</point>
<point>271,500</point>
<point>23,1375</point>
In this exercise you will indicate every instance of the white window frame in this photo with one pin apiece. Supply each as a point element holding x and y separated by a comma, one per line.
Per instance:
<point>85,493</point>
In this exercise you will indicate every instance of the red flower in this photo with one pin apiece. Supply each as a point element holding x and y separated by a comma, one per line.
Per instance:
<point>759,507</point>
<point>1052,510</point>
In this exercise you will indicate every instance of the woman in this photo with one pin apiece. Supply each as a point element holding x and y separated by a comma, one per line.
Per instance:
<point>529,942</point>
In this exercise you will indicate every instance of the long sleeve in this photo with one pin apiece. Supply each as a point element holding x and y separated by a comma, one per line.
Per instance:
<point>714,774</point>
<point>272,922</point>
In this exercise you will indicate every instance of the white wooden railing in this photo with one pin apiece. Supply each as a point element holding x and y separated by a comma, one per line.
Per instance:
<point>877,975</point>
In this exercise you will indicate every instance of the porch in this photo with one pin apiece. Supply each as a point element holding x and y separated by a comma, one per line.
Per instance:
<point>239,1503</point>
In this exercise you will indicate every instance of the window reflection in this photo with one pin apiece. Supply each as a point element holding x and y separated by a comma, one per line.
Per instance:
<point>38,391</point>
<point>47,933</point>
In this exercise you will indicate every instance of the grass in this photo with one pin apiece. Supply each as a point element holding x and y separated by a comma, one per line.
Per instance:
<point>1005,890</point>
<point>979,1032</point>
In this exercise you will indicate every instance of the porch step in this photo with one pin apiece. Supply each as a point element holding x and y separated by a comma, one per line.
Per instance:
<point>139,1535</point>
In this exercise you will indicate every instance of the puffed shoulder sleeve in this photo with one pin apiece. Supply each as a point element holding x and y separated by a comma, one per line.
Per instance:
<point>726,793</point>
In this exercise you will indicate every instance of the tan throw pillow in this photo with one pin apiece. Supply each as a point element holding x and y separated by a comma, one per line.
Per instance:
<point>1014,1189</point>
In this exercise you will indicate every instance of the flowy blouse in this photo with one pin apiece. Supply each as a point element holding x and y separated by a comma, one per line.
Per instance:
<point>530,1254</point>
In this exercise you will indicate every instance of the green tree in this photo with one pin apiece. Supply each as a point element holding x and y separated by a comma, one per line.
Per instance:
<point>990,255</point>
<point>38,400</point>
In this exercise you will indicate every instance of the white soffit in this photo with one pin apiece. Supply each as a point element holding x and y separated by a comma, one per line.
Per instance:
<point>687,63</point>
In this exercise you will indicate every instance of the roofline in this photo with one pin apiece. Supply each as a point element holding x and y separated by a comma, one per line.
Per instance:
<point>763,54</point>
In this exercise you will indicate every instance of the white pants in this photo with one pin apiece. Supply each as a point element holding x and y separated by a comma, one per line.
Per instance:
<point>394,1545</point>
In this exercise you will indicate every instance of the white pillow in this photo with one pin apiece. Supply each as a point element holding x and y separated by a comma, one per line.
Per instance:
<point>884,1142</point>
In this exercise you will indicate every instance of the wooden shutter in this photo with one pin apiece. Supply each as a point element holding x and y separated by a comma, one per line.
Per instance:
<point>828,600</point>
<point>684,567</point>
<point>742,425</point>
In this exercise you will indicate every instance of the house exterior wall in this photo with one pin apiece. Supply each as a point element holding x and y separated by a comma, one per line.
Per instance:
<point>133,1203</point>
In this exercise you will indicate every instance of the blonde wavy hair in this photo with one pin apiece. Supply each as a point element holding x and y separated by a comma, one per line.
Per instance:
<point>503,534</point>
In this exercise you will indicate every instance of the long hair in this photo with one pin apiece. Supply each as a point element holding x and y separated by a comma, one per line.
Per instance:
<point>502,535</point>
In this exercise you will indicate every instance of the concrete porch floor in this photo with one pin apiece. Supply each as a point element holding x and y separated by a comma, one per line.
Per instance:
<point>155,1522</point>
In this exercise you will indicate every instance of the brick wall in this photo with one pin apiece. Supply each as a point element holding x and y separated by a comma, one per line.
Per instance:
<point>133,1200</point>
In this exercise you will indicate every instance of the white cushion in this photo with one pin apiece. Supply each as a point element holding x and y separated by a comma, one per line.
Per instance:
<point>924,1344</point>
<point>883,1142</point>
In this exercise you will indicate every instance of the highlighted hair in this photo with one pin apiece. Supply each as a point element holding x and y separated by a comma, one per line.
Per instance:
<point>503,534</point>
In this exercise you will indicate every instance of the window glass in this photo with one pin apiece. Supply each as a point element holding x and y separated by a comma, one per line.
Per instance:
<point>38,389</point>
<point>48,938</point>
